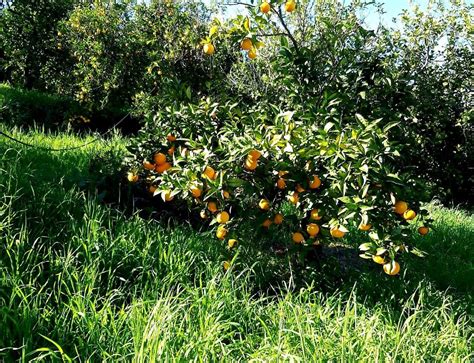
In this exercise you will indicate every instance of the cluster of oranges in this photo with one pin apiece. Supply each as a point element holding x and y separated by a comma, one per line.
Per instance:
<point>222,217</point>
<point>246,44</point>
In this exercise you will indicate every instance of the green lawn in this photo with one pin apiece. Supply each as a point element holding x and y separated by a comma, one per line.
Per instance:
<point>82,280</point>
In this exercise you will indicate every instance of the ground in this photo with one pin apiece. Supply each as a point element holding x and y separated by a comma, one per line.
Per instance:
<point>81,278</point>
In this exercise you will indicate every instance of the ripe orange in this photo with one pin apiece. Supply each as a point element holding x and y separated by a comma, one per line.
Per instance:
<point>278,219</point>
<point>132,178</point>
<point>378,259</point>
<point>171,150</point>
<point>282,173</point>
<point>246,44</point>
<point>159,158</point>
<point>337,233</point>
<point>221,232</point>
<point>223,217</point>
<point>294,198</point>
<point>409,214</point>
<point>152,189</point>
<point>210,173</point>
<point>255,154</point>
<point>267,223</point>
<point>391,268</point>
<point>208,49</point>
<point>365,227</point>
<point>400,207</point>
<point>250,164</point>
<point>315,214</point>
<point>212,207</point>
<point>196,191</point>
<point>225,194</point>
<point>281,184</point>
<point>264,204</point>
<point>312,229</point>
<point>299,188</point>
<point>162,168</point>
<point>316,183</point>
<point>290,6</point>
<point>147,165</point>
<point>171,138</point>
<point>423,230</point>
<point>265,7</point>
<point>226,265</point>
<point>297,237</point>
<point>231,243</point>
<point>168,196</point>
<point>252,54</point>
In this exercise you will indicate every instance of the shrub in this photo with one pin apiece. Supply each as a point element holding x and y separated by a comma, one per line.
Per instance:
<point>311,177</point>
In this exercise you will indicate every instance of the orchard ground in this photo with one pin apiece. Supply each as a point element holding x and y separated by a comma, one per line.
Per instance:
<point>82,279</point>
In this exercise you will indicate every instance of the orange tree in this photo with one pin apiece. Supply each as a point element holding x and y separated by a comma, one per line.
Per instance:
<point>310,175</point>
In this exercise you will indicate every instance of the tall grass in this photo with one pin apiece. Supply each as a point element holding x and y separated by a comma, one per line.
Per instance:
<point>82,281</point>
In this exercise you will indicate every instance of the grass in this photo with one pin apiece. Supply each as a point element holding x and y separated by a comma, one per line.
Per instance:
<point>81,280</point>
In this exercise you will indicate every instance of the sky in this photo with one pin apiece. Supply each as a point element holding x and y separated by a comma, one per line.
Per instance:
<point>392,9</point>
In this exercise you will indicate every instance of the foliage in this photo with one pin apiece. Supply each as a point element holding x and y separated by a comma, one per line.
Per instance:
<point>28,31</point>
<point>23,108</point>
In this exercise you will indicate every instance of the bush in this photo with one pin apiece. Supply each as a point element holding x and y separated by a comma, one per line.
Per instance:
<point>24,108</point>
<point>310,177</point>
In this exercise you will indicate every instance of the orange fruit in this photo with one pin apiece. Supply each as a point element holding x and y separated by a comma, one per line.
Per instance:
<point>409,214</point>
<point>210,173</point>
<point>147,165</point>
<point>225,194</point>
<point>278,219</point>
<point>265,7</point>
<point>316,183</point>
<point>223,217</point>
<point>221,232</point>
<point>255,154</point>
<point>171,150</point>
<point>152,189</point>
<point>171,138</point>
<point>315,214</point>
<point>281,184</point>
<point>378,259</point>
<point>337,233</point>
<point>294,198</point>
<point>231,243</point>
<point>132,178</point>
<point>423,230</point>
<point>391,268</point>
<point>159,158</point>
<point>267,223</point>
<point>208,49</point>
<point>212,207</point>
<point>246,44</point>
<point>162,168</point>
<point>299,188</point>
<point>282,173</point>
<point>226,265</point>
<point>252,54</point>
<point>168,196</point>
<point>365,227</point>
<point>297,237</point>
<point>290,6</point>
<point>196,191</point>
<point>400,207</point>
<point>250,164</point>
<point>312,229</point>
<point>264,204</point>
